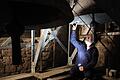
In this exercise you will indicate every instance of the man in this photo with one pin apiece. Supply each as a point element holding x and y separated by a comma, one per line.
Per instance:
<point>87,56</point>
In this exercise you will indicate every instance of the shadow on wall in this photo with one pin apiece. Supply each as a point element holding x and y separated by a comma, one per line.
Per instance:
<point>112,58</point>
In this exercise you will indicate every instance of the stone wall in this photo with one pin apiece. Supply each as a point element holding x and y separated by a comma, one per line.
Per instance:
<point>6,67</point>
<point>109,49</point>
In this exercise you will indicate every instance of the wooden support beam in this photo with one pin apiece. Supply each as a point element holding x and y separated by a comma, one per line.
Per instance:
<point>32,51</point>
<point>110,34</point>
<point>40,44</point>
<point>6,42</point>
<point>59,42</point>
<point>69,59</point>
<point>44,40</point>
<point>73,54</point>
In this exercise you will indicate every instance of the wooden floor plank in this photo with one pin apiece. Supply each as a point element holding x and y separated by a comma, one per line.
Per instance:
<point>49,73</point>
<point>52,72</point>
<point>59,77</point>
<point>18,76</point>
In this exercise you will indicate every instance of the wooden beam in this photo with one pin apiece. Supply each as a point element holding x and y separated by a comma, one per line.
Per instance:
<point>110,34</point>
<point>73,54</point>
<point>32,50</point>
<point>62,77</point>
<point>44,75</point>
<point>52,72</point>
<point>69,60</point>
<point>6,42</point>
<point>40,44</point>
<point>18,76</point>
<point>59,42</point>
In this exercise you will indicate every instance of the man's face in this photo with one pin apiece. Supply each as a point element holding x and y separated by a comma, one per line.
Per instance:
<point>89,39</point>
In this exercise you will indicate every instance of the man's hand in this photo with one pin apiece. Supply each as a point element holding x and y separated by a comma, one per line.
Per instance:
<point>81,68</point>
<point>74,27</point>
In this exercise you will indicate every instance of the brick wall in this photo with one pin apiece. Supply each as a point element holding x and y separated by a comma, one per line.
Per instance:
<point>6,67</point>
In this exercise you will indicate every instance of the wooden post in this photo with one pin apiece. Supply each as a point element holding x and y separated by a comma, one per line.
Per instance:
<point>69,58</point>
<point>32,51</point>
<point>54,53</point>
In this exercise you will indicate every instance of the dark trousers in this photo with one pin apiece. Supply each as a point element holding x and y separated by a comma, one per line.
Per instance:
<point>77,75</point>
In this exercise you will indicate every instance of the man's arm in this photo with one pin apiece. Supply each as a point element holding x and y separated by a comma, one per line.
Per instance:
<point>73,37</point>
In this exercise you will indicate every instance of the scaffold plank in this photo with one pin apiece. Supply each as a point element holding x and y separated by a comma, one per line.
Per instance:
<point>18,76</point>
<point>43,75</point>
<point>52,72</point>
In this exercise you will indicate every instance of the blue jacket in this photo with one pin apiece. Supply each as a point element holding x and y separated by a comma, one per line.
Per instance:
<point>87,58</point>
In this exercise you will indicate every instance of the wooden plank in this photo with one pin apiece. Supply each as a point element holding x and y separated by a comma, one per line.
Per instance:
<point>109,78</point>
<point>110,33</point>
<point>52,72</point>
<point>59,77</point>
<point>6,42</point>
<point>44,75</point>
<point>74,53</point>
<point>18,76</point>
